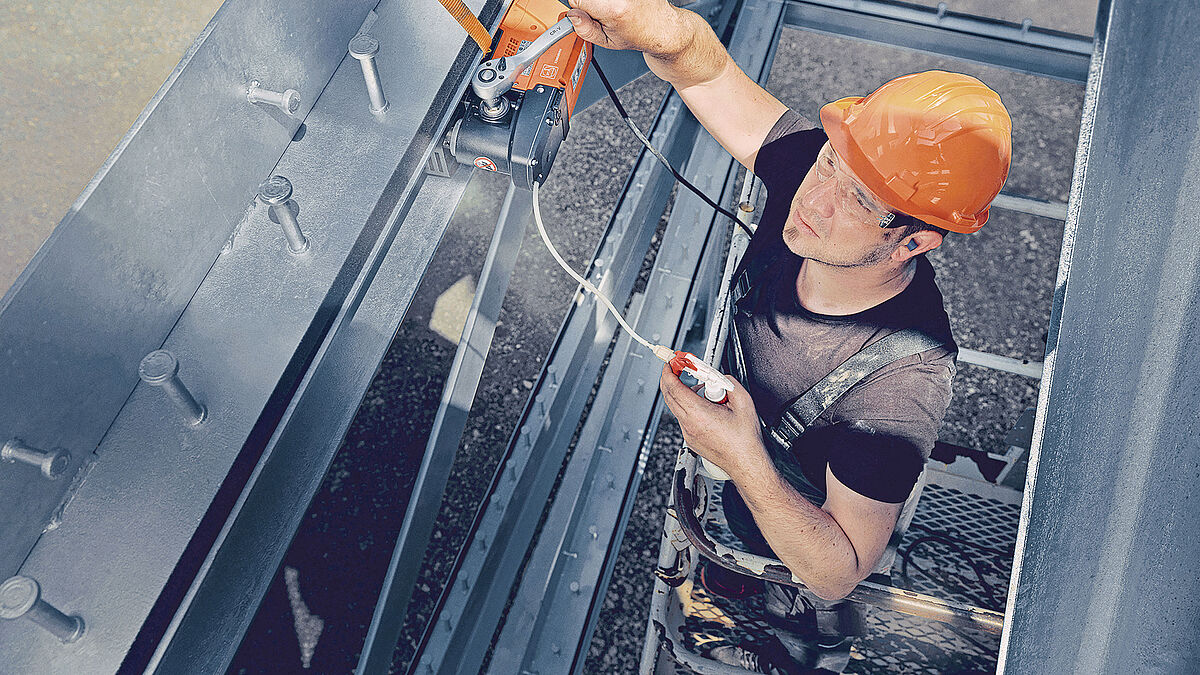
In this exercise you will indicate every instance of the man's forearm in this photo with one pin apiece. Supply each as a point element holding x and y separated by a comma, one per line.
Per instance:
<point>692,55</point>
<point>807,539</point>
<point>681,48</point>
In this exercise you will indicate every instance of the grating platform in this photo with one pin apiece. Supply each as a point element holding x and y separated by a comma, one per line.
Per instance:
<point>959,547</point>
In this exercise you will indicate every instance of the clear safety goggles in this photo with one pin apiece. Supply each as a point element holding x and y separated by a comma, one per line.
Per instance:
<point>852,197</point>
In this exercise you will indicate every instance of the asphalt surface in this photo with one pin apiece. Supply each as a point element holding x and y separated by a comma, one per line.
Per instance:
<point>997,285</point>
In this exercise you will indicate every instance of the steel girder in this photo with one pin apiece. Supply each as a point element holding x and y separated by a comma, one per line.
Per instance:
<point>168,249</point>
<point>1021,47</point>
<point>1104,580</point>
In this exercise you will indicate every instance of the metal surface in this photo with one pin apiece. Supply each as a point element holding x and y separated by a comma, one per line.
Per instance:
<point>1105,576</point>
<point>564,581</point>
<point>457,396</point>
<point>256,537</point>
<point>157,495</point>
<point>1032,369</point>
<point>995,42</point>
<point>472,604</point>
<point>115,275</point>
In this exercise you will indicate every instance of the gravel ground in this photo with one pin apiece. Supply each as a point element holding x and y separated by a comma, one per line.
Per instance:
<point>997,285</point>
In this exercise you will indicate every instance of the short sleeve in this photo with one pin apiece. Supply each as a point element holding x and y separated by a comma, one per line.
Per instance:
<point>877,437</point>
<point>789,150</point>
<point>873,462</point>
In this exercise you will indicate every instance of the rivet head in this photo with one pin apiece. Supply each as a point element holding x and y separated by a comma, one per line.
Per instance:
<point>18,595</point>
<point>275,190</point>
<point>158,366</point>
<point>363,46</point>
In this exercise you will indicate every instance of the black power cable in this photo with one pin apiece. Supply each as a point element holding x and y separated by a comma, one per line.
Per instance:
<point>654,151</point>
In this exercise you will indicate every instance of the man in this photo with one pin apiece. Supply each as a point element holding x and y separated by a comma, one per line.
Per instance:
<point>836,266</point>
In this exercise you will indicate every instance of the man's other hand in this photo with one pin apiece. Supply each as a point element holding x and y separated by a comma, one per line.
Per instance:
<point>727,434</point>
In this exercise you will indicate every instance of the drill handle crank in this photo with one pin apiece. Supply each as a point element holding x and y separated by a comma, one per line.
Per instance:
<point>493,78</point>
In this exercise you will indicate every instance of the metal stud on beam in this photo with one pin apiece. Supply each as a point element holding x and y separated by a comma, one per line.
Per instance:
<point>51,462</point>
<point>21,597</point>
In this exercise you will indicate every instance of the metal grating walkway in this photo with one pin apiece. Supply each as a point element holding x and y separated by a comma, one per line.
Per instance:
<point>959,547</point>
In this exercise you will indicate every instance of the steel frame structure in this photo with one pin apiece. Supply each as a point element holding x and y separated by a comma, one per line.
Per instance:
<point>166,249</point>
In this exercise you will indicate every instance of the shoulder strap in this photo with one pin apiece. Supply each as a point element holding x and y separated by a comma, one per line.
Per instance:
<point>809,406</point>
<point>747,282</point>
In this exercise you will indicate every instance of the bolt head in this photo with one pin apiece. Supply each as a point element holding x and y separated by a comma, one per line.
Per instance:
<point>291,101</point>
<point>55,463</point>
<point>9,449</point>
<point>18,595</point>
<point>275,190</point>
<point>159,366</point>
<point>363,46</point>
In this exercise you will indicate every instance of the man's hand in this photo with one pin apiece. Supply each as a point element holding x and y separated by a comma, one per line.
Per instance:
<point>830,549</point>
<point>653,27</point>
<point>727,434</point>
<point>681,48</point>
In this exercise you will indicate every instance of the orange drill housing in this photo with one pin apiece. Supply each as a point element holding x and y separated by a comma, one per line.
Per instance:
<point>563,66</point>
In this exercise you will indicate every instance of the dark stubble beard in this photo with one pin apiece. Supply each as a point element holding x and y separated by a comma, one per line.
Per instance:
<point>872,258</point>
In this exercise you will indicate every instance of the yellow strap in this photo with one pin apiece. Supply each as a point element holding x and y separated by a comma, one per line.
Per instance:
<point>469,22</point>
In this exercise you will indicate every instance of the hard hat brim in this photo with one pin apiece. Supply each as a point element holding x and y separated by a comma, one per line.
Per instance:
<point>834,121</point>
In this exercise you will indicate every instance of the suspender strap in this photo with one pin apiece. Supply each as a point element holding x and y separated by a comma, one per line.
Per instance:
<point>809,406</point>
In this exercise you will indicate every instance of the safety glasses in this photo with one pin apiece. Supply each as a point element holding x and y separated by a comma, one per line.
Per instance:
<point>852,196</point>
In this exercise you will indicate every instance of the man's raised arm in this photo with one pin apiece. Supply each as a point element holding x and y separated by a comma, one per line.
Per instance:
<point>682,49</point>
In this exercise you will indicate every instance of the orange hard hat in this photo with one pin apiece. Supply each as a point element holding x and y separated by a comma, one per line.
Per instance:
<point>933,145</point>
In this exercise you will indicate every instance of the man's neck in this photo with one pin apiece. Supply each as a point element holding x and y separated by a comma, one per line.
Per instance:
<point>839,291</point>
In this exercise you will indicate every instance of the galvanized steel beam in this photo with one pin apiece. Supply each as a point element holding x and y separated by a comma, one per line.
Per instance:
<point>1104,579</point>
<point>210,621</point>
<point>1021,47</point>
<point>457,396</point>
<point>264,326</point>
<point>114,277</point>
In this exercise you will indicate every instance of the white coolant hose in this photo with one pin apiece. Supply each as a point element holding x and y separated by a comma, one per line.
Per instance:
<point>662,352</point>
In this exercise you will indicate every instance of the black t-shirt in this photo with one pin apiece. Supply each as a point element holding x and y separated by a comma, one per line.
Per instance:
<point>876,437</point>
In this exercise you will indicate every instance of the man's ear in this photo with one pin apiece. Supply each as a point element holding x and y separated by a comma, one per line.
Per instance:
<point>925,240</point>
